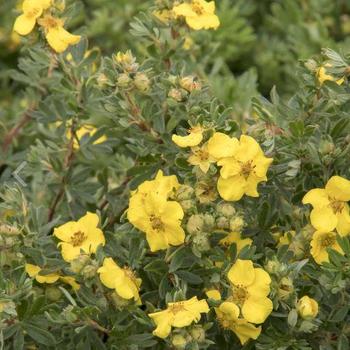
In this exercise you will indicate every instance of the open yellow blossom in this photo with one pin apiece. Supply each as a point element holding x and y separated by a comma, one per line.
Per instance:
<point>194,137</point>
<point>241,173</point>
<point>227,314</point>
<point>179,314</point>
<point>250,288</point>
<point>307,307</point>
<point>32,10</point>
<point>199,14</point>
<point>57,37</point>
<point>34,271</point>
<point>79,236</point>
<point>201,157</point>
<point>235,237</point>
<point>221,145</point>
<point>323,76</point>
<point>159,219</point>
<point>330,210</point>
<point>122,280</point>
<point>319,244</point>
<point>85,130</point>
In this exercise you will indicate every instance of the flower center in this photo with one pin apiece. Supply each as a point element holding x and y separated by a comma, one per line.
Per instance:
<point>49,22</point>
<point>224,323</point>
<point>177,307</point>
<point>240,294</point>
<point>327,240</point>
<point>77,238</point>
<point>197,8</point>
<point>156,223</point>
<point>202,155</point>
<point>34,12</point>
<point>129,273</point>
<point>247,168</point>
<point>337,206</point>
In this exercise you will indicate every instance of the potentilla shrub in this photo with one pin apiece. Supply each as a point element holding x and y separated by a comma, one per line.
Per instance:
<point>137,211</point>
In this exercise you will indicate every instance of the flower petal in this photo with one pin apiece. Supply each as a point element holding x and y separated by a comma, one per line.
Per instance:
<point>317,197</point>
<point>261,285</point>
<point>338,188</point>
<point>245,330</point>
<point>232,188</point>
<point>256,310</point>
<point>222,146</point>
<point>343,226</point>
<point>323,219</point>
<point>24,24</point>
<point>191,140</point>
<point>242,273</point>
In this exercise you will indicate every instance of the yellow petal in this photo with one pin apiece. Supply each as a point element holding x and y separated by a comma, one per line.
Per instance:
<point>242,273</point>
<point>110,273</point>
<point>126,288</point>
<point>67,37</point>
<point>95,238</point>
<point>232,188</point>
<point>256,310</point>
<point>261,164</point>
<point>248,149</point>
<point>183,10</point>
<point>50,278</point>
<point>65,231</point>
<point>323,219</point>
<point>90,220</point>
<point>71,281</point>
<point>156,241</point>
<point>230,310</point>
<point>163,320</point>
<point>317,197</point>
<point>191,140</point>
<point>183,319</point>
<point>197,306</point>
<point>24,24</point>
<point>343,226</point>
<point>69,252</point>
<point>230,167</point>
<point>245,331</point>
<point>261,285</point>
<point>222,146</point>
<point>32,270</point>
<point>251,188</point>
<point>213,294</point>
<point>206,21</point>
<point>338,188</point>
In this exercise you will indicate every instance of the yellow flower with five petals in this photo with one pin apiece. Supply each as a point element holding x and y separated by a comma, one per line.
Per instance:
<point>320,242</point>
<point>178,314</point>
<point>199,14</point>
<point>228,316</point>
<point>250,288</point>
<point>123,280</point>
<point>330,209</point>
<point>201,157</point>
<point>82,235</point>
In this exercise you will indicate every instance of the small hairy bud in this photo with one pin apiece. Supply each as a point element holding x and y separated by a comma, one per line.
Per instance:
<point>236,224</point>
<point>142,82</point>
<point>225,209</point>
<point>195,224</point>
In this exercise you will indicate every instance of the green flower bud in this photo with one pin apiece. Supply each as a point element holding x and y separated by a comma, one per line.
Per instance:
<point>102,80</point>
<point>225,209</point>
<point>141,81</point>
<point>195,224</point>
<point>123,80</point>
<point>184,192</point>
<point>285,288</point>
<point>175,94</point>
<point>326,147</point>
<point>236,224</point>
<point>209,222</point>
<point>89,271</point>
<point>9,230</point>
<point>179,341</point>
<point>201,242</point>
<point>273,266</point>
<point>79,263</point>
<point>198,334</point>
<point>222,222</point>
<point>53,293</point>
<point>187,204</point>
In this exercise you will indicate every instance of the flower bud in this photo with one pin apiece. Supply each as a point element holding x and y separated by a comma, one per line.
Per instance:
<point>123,80</point>
<point>175,94</point>
<point>127,61</point>
<point>236,224</point>
<point>53,293</point>
<point>184,192</point>
<point>206,192</point>
<point>69,314</point>
<point>195,224</point>
<point>89,271</point>
<point>79,263</point>
<point>187,204</point>
<point>102,80</point>
<point>307,308</point>
<point>273,266</point>
<point>198,334</point>
<point>119,301</point>
<point>226,209</point>
<point>222,222</point>
<point>285,288</point>
<point>141,82</point>
<point>189,83</point>
<point>201,242</point>
<point>326,147</point>
<point>179,341</point>
<point>209,222</point>
<point>9,230</point>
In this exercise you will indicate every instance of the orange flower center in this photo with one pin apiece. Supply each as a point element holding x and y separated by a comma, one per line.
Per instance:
<point>77,238</point>
<point>197,8</point>
<point>224,323</point>
<point>328,240</point>
<point>337,206</point>
<point>156,223</point>
<point>247,168</point>
<point>239,294</point>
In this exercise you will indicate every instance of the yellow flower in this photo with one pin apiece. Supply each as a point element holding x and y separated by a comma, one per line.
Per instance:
<point>243,163</point>
<point>34,271</point>
<point>194,137</point>
<point>122,280</point>
<point>227,314</point>
<point>235,237</point>
<point>330,210</point>
<point>57,37</point>
<point>32,10</point>
<point>213,294</point>
<point>250,288</point>
<point>319,244</point>
<point>307,307</point>
<point>82,235</point>
<point>82,131</point>
<point>179,314</point>
<point>323,76</point>
<point>158,218</point>
<point>199,14</point>
<point>201,157</point>
<point>165,16</point>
